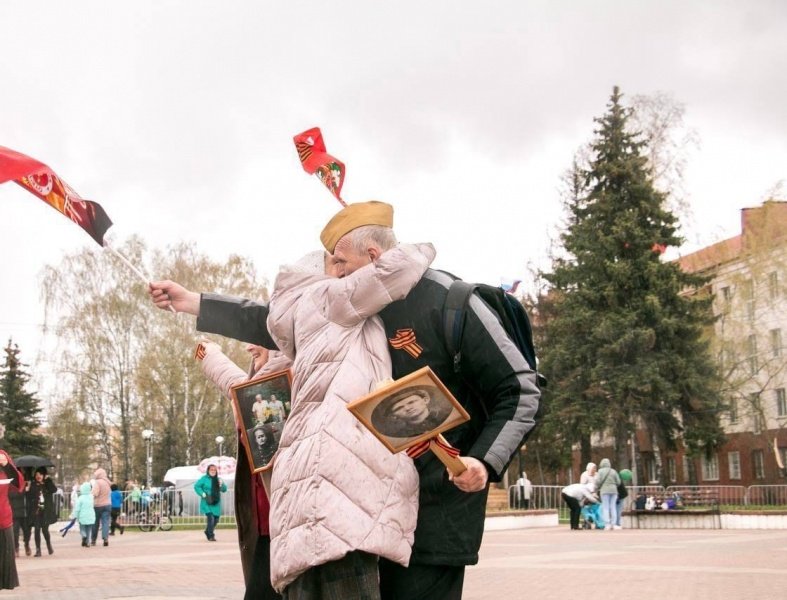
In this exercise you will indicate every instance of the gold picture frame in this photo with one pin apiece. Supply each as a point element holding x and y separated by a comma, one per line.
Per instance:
<point>410,410</point>
<point>262,405</point>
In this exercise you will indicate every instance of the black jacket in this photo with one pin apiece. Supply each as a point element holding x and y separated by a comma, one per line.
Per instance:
<point>46,488</point>
<point>496,386</point>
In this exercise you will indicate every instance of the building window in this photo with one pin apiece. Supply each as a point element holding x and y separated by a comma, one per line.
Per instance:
<point>781,403</point>
<point>747,291</point>
<point>733,411</point>
<point>758,464</point>
<point>652,470</point>
<point>751,349</point>
<point>672,470</point>
<point>726,299</point>
<point>710,468</point>
<point>783,455</point>
<point>734,461</point>
<point>773,285</point>
<point>689,470</point>
<point>776,342</point>
<point>757,419</point>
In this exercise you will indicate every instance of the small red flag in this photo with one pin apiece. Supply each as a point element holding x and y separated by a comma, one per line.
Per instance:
<point>40,180</point>
<point>316,161</point>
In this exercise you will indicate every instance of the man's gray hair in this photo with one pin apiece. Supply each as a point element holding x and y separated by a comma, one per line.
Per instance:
<point>381,236</point>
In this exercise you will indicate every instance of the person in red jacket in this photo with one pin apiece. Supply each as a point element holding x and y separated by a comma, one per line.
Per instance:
<point>10,476</point>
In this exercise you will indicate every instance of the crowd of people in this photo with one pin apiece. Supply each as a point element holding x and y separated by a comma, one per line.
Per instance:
<point>336,515</point>
<point>598,498</point>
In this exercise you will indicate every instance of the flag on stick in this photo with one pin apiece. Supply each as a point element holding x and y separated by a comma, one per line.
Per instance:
<point>316,161</point>
<point>40,180</point>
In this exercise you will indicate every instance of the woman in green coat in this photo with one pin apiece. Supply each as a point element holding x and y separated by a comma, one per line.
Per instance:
<point>209,488</point>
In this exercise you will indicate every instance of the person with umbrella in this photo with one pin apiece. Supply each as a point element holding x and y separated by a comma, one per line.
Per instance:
<point>40,507</point>
<point>23,518</point>
<point>10,477</point>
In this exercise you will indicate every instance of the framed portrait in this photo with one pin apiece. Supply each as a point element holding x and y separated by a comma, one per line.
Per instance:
<point>412,409</point>
<point>263,405</point>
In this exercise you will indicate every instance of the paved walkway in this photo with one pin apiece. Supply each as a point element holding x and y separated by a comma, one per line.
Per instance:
<point>523,564</point>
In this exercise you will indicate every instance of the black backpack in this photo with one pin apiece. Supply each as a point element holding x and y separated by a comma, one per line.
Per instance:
<point>508,309</point>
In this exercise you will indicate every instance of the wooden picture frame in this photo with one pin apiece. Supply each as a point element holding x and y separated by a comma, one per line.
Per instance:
<point>263,405</point>
<point>412,409</point>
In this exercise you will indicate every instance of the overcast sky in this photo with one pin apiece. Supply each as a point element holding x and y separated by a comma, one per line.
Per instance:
<point>178,117</point>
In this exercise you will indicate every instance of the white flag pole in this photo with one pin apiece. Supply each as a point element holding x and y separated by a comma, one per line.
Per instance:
<point>136,271</point>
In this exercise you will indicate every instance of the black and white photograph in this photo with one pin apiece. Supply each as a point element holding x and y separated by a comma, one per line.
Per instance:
<point>409,410</point>
<point>263,405</point>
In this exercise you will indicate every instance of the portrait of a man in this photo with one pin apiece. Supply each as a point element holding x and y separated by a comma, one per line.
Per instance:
<point>411,412</point>
<point>274,412</point>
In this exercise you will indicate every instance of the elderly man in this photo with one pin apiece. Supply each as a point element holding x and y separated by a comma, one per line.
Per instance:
<point>495,385</point>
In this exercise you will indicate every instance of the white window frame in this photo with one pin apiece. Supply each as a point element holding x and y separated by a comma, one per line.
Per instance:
<point>672,469</point>
<point>734,464</point>
<point>757,418</point>
<point>773,285</point>
<point>758,464</point>
<point>776,343</point>
<point>781,402</point>
<point>710,467</point>
<point>751,349</point>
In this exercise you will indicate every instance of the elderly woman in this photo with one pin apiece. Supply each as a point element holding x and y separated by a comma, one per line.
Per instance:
<point>339,499</point>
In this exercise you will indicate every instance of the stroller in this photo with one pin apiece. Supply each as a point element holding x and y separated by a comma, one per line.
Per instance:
<point>591,516</point>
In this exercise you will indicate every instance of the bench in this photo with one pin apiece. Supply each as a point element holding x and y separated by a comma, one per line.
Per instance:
<point>687,504</point>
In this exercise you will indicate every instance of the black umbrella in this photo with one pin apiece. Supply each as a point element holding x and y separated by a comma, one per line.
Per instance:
<point>30,460</point>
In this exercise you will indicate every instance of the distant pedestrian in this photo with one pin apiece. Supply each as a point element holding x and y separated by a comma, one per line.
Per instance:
<point>21,518</point>
<point>9,579</point>
<point>524,489</point>
<point>84,512</point>
<point>607,481</point>
<point>41,507</point>
<point>209,488</point>
<point>589,473</point>
<point>576,495</point>
<point>102,503</point>
<point>625,476</point>
<point>116,504</point>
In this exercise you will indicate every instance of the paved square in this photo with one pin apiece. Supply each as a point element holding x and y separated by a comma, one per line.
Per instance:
<point>533,563</point>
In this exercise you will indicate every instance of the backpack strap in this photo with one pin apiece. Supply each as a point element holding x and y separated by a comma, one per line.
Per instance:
<point>454,314</point>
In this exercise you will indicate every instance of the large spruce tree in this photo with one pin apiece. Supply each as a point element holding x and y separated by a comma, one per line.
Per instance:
<point>622,342</point>
<point>19,409</point>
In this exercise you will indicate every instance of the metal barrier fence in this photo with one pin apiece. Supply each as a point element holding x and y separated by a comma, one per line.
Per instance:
<point>731,496</point>
<point>166,507</point>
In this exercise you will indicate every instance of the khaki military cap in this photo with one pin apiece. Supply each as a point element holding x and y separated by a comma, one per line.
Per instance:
<point>353,216</point>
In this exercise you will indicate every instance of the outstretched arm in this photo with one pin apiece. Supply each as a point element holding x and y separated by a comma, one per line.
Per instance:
<point>166,294</point>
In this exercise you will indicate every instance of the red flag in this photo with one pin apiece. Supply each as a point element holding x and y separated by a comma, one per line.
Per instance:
<point>316,161</point>
<point>40,180</point>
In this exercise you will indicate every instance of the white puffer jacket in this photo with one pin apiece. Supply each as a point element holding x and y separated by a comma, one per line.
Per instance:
<point>335,488</point>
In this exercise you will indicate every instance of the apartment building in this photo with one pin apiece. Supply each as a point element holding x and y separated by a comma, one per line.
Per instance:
<point>748,275</point>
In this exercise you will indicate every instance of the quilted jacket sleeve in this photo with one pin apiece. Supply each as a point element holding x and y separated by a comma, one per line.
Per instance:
<point>368,290</point>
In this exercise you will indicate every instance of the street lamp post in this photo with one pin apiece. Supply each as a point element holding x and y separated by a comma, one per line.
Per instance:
<point>147,435</point>
<point>60,469</point>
